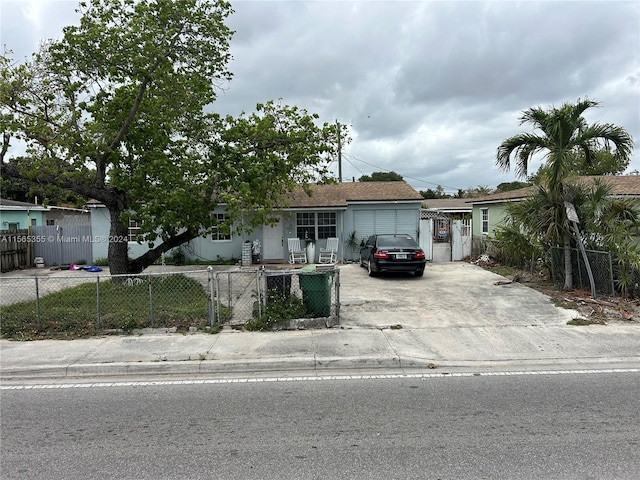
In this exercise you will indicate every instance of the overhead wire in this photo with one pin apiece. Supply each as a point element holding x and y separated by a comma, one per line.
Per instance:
<point>344,154</point>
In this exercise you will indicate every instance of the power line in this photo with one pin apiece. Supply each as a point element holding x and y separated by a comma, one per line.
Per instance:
<point>388,171</point>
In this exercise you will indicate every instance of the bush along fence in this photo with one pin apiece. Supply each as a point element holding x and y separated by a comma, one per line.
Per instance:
<point>85,304</point>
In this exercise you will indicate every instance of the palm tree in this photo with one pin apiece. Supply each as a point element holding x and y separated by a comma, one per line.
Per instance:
<point>563,132</point>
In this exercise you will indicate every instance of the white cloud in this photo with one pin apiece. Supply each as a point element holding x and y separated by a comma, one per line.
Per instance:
<point>430,88</point>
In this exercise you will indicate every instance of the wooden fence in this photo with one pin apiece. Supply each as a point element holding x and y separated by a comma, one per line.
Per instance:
<point>15,249</point>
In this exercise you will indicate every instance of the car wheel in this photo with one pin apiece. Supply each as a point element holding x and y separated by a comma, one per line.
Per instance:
<point>419,273</point>
<point>371,272</point>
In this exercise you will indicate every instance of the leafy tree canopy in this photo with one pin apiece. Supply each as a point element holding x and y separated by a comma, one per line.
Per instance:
<point>438,192</point>
<point>381,177</point>
<point>471,192</point>
<point>475,192</point>
<point>508,186</point>
<point>120,110</point>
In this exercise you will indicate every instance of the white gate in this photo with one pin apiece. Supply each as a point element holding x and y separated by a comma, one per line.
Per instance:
<point>425,241</point>
<point>460,240</point>
<point>443,239</point>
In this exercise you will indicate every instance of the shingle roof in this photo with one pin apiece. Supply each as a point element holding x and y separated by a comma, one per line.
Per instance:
<point>17,205</point>
<point>446,204</point>
<point>340,194</point>
<point>621,185</point>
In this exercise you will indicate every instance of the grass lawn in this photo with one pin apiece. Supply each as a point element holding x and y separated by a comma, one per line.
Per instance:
<point>177,301</point>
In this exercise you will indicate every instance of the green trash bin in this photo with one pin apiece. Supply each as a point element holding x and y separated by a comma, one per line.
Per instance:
<point>316,292</point>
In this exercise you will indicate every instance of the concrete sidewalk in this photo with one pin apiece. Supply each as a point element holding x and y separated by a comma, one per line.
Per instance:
<point>232,351</point>
<point>455,316</point>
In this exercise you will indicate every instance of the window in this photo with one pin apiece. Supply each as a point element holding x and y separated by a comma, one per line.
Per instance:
<point>485,220</point>
<point>319,225</point>
<point>34,222</point>
<point>216,233</point>
<point>51,222</point>
<point>134,230</point>
<point>326,225</point>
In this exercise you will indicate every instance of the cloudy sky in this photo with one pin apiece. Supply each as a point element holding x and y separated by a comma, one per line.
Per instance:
<point>429,89</point>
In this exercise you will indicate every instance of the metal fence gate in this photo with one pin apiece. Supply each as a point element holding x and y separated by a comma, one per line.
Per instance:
<point>243,295</point>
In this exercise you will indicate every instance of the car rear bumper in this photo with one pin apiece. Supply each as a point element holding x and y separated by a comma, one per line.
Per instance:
<point>387,266</point>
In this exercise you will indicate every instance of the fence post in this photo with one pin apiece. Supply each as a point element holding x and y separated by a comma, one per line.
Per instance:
<point>336,272</point>
<point>217,297</point>
<point>579,267</point>
<point>37,303</point>
<point>613,285</point>
<point>230,290</point>
<point>259,293</point>
<point>211,296</point>
<point>98,317</point>
<point>150,301</point>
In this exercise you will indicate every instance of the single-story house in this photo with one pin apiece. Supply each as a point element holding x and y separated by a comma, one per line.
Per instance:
<point>343,210</point>
<point>490,211</point>
<point>16,215</point>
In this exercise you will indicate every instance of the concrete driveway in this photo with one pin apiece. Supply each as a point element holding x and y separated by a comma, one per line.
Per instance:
<point>455,294</point>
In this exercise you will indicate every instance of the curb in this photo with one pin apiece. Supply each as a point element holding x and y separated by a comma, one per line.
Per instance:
<point>307,364</point>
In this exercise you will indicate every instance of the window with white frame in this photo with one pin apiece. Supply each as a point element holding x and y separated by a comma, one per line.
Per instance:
<point>317,225</point>
<point>485,220</point>
<point>134,230</point>
<point>217,233</point>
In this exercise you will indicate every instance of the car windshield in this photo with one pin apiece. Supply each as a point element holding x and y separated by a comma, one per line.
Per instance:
<point>385,241</point>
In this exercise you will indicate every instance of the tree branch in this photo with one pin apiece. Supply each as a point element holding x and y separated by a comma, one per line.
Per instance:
<point>104,195</point>
<point>143,261</point>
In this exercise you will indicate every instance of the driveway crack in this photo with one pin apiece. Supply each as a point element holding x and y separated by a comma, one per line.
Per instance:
<point>395,352</point>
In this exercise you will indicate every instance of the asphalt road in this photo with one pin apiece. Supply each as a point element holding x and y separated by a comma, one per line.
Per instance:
<point>560,426</point>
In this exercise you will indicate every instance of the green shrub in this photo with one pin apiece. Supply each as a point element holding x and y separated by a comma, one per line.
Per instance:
<point>279,309</point>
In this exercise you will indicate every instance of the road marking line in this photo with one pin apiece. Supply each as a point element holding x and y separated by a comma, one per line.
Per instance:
<point>422,376</point>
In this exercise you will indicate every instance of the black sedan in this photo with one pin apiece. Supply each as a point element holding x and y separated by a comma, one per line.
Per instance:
<point>392,253</point>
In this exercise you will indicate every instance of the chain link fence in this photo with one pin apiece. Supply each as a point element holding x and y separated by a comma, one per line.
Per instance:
<point>82,304</point>
<point>601,267</point>
<point>270,297</point>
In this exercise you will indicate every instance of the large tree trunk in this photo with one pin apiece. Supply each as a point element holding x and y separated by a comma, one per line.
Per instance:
<point>119,262</point>
<point>568,268</point>
<point>118,252</point>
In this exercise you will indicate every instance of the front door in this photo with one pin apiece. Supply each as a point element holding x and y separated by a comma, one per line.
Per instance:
<point>273,242</point>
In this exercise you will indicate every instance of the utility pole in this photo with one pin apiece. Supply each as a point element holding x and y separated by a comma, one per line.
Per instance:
<point>339,153</point>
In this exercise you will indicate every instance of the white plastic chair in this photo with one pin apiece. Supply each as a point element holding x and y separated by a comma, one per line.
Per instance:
<point>296,252</point>
<point>328,254</point>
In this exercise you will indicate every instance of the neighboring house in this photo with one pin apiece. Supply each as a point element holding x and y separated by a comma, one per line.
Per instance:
<point>66,216</point>
<point>55,234</point>
<point>335,210</point>
<point>490,211</point>
<point>20,215</point>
